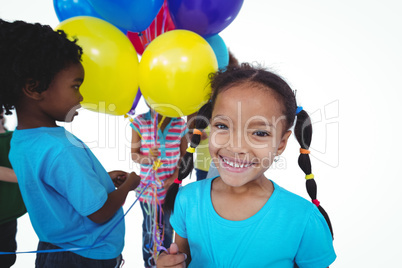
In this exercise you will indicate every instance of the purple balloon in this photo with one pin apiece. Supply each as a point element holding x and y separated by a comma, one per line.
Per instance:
<point>205,17</point>
<point>135,103</point>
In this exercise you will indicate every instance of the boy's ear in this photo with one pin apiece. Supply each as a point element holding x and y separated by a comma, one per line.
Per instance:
<point>284,142</point>
<point>29,89</point>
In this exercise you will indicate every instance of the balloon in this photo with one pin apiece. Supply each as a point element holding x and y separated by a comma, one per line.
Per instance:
<point>66,9</point>
<point>110,63</point>
<point>174,73</point>
<point>135,103</point>
<point>161,24</point>
<point>220,50</point>
<point>133,15</point>
<point>206,18</point>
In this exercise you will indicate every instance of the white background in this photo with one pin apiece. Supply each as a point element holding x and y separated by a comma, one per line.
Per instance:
<point>344,59</point>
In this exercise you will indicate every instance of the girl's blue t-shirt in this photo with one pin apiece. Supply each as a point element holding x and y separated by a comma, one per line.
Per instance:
<point>287,230</point>
<point>62,182</point>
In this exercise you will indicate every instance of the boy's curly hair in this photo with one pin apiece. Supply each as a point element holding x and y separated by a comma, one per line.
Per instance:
<point>31,53</point>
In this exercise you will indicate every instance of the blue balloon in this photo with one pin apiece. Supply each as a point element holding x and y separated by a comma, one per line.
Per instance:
<point>220,49</point>
<point>133,15</point>
<point>66,9</point>
<point>204,17</point>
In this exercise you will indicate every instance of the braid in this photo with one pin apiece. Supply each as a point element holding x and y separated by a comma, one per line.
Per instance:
<point>303,133</point>
<point>186,163</point>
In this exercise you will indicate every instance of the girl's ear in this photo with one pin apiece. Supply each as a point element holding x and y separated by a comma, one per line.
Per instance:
<point>30,91</point>
<point>284,142</point>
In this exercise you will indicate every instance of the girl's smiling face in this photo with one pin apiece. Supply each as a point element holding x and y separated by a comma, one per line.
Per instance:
<point>247,132</point>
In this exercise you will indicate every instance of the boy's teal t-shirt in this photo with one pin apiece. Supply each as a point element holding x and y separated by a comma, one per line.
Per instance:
<point>287,230</point>
<point>62,182</point>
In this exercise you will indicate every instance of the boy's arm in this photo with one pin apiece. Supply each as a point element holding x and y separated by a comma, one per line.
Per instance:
<point>115,199</point>
<point>179,254</point>
<point>7,175</point>
<point>136,155</point>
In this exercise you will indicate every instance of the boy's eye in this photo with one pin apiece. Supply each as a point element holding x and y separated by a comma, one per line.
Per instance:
<point>77,87</point>
<point>261,133</point>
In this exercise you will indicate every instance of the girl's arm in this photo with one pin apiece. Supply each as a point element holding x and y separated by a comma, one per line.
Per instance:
<point>179,254</point>
<point>116,199</point>
<point>183,148</point>
<point>7,175</point>
<point>136,155</point>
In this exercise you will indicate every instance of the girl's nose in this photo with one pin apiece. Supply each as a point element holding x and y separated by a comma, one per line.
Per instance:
<point>238,143</point>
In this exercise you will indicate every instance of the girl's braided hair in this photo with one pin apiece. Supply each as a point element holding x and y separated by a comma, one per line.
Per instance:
<point>246,73</point>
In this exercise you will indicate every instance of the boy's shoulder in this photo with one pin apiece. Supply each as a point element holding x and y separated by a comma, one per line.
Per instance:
<point>56,137</point>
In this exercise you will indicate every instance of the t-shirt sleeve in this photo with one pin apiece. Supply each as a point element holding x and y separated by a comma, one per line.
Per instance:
<point>316,248</point>
<point>72,175</point>
<point>177,219</point>
<point>136,125</point>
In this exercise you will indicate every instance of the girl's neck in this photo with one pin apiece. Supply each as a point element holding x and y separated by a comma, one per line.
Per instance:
<point>262,186</point>
<point>239,203</point>
<point>165,119</point>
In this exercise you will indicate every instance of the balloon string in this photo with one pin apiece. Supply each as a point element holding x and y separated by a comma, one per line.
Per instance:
<point>142,39</point>
<point>156,27</point>
<point>164,18</point>
<point>148,35</point>
<point>160,123</point>
<point>94,245</point>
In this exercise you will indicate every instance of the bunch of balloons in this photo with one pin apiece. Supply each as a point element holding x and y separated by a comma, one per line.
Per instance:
<point>178,41</point>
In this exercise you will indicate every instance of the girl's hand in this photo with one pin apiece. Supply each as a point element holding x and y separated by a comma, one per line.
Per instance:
<point>173,259</point>
<point>154,153</point>
<point>169,181</point>
<point>118,177</point>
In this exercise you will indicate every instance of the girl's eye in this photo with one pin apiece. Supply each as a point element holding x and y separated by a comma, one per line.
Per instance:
<point>76,87</point>
<point>221,126</point>
<point>261,133</point>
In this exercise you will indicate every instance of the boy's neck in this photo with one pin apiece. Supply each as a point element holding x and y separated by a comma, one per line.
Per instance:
<point>29,119</point>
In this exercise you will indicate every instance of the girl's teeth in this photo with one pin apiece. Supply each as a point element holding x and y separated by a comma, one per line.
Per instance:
<point>235,164</point>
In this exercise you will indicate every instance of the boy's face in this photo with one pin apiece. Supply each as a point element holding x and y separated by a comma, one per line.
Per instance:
<point>247,132</point>
<point>63,97</point>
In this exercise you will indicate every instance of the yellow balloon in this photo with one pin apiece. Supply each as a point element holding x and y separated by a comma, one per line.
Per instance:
<point>110,62</point>
<point>174,71</point>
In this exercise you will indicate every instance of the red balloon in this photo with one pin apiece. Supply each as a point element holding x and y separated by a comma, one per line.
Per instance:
<point>161,24</point>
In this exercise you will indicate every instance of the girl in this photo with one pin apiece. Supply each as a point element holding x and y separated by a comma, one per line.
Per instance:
<point>71,200</point>
<point>241,218</point>
<point>169,147</point>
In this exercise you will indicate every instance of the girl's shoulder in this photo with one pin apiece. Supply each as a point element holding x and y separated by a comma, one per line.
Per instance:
<point>144,116</point>
<point>194,189</point>
<point>290,199</point>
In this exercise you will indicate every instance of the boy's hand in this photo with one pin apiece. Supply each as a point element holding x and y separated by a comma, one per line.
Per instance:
<point>118,177</point>
<point>173,259</point>
<point>133,180</point>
